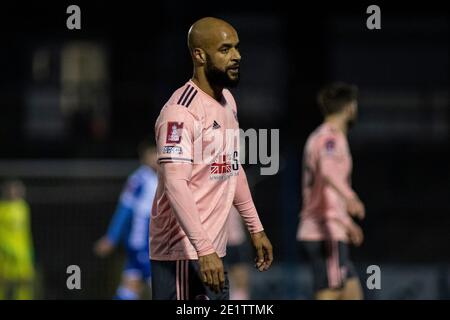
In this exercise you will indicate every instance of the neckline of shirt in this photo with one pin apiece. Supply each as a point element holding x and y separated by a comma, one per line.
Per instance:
<point>332,128</point>
<point>192,83</point>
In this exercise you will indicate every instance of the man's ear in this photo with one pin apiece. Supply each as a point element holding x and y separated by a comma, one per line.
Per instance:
<point>348,109</point>
<point>351,110</point>
<point>199,56</point>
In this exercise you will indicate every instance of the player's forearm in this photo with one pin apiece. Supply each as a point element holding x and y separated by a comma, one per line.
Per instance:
<point>244,204</point>
<point>186,211</point>
<point>119,220</point>
<point>345,220</point>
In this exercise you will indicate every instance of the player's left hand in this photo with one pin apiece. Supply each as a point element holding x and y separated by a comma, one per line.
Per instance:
<point>356,208</point>
<point>355,234</point>
<point>264,253</point>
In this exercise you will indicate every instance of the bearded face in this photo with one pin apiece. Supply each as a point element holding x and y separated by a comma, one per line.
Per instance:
<point>226,76</point>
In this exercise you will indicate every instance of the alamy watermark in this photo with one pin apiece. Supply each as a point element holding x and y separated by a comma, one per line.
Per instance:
<point>374,20</point>
<point>374,279</point>
<point>74,20</point>
<point>74,279</point>
<point>224,149</point>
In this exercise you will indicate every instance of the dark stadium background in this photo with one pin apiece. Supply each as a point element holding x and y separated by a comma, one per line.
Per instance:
<point>72,138</point>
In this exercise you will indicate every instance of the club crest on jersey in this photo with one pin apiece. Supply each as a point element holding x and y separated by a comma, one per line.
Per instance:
<point>174,131</point>
<point>330,145</point>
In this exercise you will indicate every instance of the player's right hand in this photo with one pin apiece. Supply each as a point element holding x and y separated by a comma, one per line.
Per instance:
<point>355,234</point>
<point>212,272</point>
<point>103,247</point>
<point>356,208</point>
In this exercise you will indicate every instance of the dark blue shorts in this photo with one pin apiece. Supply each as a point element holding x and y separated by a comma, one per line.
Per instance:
<point>137,265</point>
<point>330,261</point>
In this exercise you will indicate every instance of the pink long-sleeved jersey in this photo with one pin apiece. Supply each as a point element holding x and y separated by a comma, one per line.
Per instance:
<point>200,178</point>
<point>327,166</point>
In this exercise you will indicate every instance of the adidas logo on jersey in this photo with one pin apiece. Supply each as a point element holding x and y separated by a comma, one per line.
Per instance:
<point>215,125</point>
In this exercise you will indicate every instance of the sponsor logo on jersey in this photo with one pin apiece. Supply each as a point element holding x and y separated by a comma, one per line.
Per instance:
<point>224,167</point>
<point>173,150</point>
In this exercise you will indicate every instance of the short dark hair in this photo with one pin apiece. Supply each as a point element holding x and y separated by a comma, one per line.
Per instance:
<point>334,97</point>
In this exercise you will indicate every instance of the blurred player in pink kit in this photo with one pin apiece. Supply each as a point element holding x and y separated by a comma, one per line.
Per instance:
<point>329,202</point>
<point>201,177</point>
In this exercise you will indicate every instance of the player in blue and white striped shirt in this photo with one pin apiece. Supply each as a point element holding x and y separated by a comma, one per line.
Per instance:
<point>130,225</point>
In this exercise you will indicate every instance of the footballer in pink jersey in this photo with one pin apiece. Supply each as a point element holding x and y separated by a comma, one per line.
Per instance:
<point>200,176</point>
<point>329,202</point>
